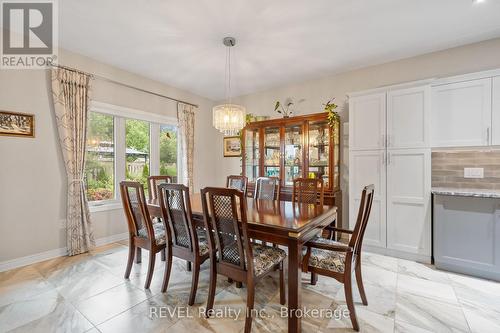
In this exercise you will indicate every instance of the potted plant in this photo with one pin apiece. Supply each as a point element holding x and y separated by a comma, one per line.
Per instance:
<point>284,109</point>
<point>333,116</point>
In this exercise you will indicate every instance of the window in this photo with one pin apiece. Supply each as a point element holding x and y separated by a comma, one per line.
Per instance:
<point>100,158</point>
<point>126,144</point>
<point>137,133</point>
<point>168,151</point>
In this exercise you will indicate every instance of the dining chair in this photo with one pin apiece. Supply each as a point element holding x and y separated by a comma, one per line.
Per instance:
<point>184,240</point>
<point>308,190</point>
<point>267,188</point>
<point>337,260</point>
<point>153,182</point>
<point>143,233</point>
<point>237,182</point>
<point>231,252</point>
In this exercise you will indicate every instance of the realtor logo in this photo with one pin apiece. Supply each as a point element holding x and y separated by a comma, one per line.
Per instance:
<point>29,38</point>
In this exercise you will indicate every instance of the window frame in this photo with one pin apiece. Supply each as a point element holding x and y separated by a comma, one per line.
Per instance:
<point>120,114</point>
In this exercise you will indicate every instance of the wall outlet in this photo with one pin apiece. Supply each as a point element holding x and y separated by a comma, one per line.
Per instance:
<point>473,172</point>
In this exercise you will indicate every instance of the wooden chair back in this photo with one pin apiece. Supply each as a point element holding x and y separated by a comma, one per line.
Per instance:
<point>267,188</point>
<point>365,207</point>
<point>224,212</point>
<point>308,190</point>
<point>136,210</point>
<point>175,205</point>
<point>153,182</point>
<point>237,182</point>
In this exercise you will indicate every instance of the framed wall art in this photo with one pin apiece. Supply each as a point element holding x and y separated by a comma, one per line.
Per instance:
<point>17,124</point>
<point>232,146</point>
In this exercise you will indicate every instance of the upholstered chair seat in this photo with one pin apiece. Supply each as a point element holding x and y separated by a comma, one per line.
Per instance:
<point>266,258</point>
<point>159,230</point>
<point>325,259</point>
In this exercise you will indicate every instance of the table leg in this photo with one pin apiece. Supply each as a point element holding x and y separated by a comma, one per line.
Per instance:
<point>294,285</point>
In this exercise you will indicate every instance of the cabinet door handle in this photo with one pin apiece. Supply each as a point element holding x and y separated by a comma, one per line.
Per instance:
<point>388,158</point>
<point>488,136</point>
<point>383,140</point>
<point>383,158</point>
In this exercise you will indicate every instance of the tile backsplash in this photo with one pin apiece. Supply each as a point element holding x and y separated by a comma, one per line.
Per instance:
<point>448,168</point>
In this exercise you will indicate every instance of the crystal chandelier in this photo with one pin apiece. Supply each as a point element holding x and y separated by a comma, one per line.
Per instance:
<point>228,118</point>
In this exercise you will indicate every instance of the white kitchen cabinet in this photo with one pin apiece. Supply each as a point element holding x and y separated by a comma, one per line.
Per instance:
<point>398,166</point>
<point>408,200</point>
<point>367,116</point>
<point>495,117</point>
<point>461,114</point>
<point>408,118</point>
<point>368,167</point>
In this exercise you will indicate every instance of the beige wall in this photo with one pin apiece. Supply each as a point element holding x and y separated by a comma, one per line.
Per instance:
<point>460,60</point>
<point>32,175</point>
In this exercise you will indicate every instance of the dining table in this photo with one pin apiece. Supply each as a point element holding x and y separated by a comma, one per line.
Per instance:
<point>286,223</point>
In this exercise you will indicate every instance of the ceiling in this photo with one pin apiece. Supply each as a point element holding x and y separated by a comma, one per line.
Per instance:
<point>278,42</point>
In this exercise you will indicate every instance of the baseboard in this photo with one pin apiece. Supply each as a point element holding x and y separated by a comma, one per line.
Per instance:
<point>31,259</point>
<point>462,269</point>
<point>111,239</point>
<point>398,254</point>
<point>51,254</point>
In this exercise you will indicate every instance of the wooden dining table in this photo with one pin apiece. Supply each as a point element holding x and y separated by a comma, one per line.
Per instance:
<point>284,223</point>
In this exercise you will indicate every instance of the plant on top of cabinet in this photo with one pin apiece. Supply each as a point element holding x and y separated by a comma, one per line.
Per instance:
<point>284,109</point>
<point>333,116</point>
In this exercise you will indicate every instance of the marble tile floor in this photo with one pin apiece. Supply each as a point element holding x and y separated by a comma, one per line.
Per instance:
<point>88,293</point>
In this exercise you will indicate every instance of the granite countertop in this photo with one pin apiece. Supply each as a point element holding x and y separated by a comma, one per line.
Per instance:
<point>466,192</point>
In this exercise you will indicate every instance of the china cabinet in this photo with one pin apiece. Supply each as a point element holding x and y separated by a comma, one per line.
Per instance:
<point>288,148</point>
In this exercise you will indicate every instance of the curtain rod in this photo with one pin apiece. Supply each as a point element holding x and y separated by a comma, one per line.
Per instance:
<point>102,78</point>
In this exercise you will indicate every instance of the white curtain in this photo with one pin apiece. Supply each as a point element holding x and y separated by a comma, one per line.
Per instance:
<point>70,94</point>
<point>185,115</point>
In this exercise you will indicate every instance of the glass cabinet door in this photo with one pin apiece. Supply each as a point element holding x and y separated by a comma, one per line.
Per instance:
<point>272,152</point>
<point>293,153</point>
<point>319,151</point>
<point>252,154</point>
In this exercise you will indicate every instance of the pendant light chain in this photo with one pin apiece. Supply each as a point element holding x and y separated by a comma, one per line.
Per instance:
<point>229,69</point>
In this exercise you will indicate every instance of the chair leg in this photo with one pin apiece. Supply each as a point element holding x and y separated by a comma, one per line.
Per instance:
<point>212,285</point>
<point>138,255</point>
<point>163,256</point>
<point>239,284</point>
<point>130,261</point>
<point>166,274</point>
<point>229,280</point>
<point>194,283</point>
<point>151,268</point>
<point>359,281</point>
<point>282,285</point>
<point>350,302</point>
<point>314,278</point>
<point>188,266</point>
<point>250,304</point>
